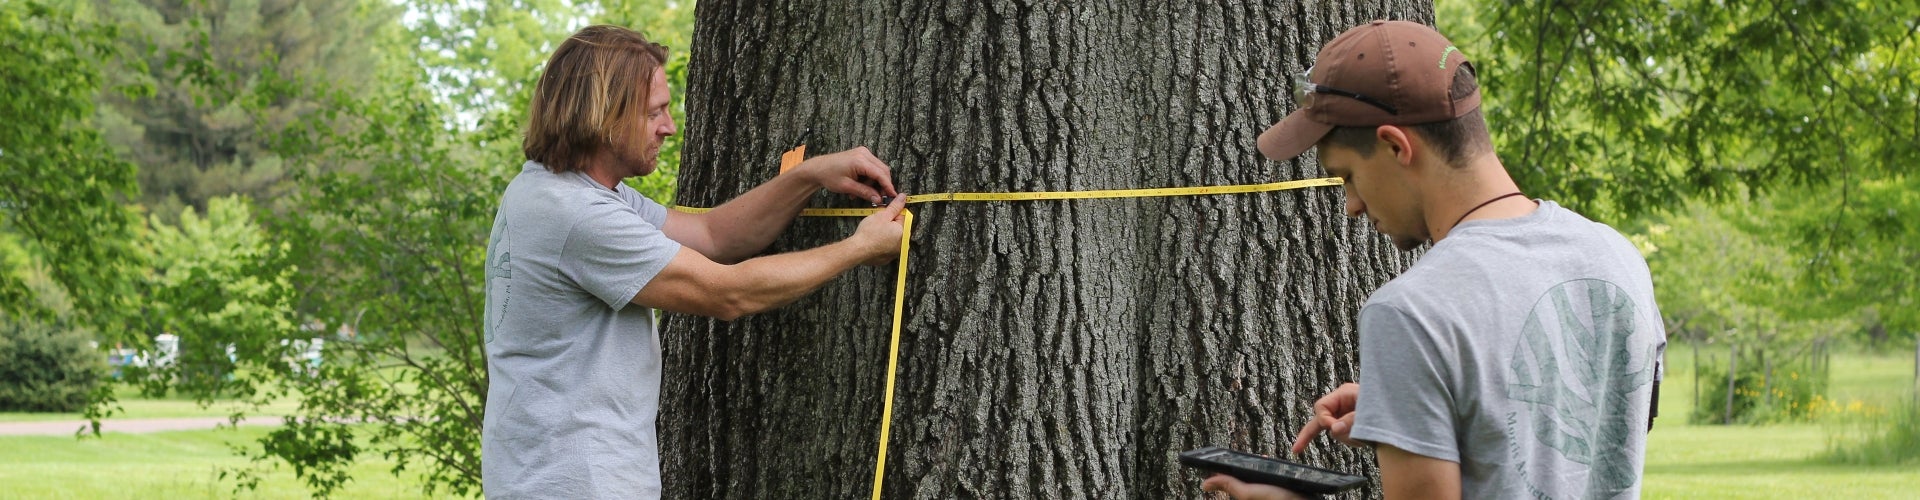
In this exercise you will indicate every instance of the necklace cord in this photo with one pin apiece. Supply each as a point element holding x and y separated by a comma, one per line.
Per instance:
<point>1476,208</point>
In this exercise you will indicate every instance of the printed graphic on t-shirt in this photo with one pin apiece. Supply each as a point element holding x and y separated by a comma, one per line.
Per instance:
<point>499,278</point>
<point>1572,380</point>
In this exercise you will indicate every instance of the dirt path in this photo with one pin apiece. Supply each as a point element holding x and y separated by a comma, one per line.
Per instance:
<point>69,427</point>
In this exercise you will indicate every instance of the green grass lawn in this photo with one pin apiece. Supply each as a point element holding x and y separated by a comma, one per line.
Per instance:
<point>1878,378</point>
<point>184,464</point>
<point>1774,461</point>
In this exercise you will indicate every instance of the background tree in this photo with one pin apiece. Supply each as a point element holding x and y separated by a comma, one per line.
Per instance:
<point>1620,107</point>
<point>46,368</point>
<point>1744,311</point>
<point>478,55</point>
<point>1051,349</point>
<point>390,251</point>
<point>218,282</point>
<point>192,137</point>
<point>60,210</point>
<point>1861,255</point>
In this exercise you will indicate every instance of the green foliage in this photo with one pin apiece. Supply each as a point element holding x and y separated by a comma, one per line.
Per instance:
<point>1723,277</point>
<point>480,57</point>
<point>218,281</point>
<point>1858,242</point>
<point>390,253</point>
<point>1620,107</point>
<point>1716,280</point>
<point>1788,271</point>
<point>1891,437</point>
<point>192,138</point>
<point>64,186</point>
<point>43,368</point>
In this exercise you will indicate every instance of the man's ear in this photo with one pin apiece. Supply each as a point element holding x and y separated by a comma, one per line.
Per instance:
<point>1398,141</point>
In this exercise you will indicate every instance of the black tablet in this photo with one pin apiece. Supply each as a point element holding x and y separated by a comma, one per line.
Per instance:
<point>1300,478</point>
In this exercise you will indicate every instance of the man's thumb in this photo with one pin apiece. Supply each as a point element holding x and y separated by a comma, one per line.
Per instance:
<point>893,209</point>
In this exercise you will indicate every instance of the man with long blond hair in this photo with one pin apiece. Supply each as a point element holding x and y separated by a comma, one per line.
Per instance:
<point>577,262</point>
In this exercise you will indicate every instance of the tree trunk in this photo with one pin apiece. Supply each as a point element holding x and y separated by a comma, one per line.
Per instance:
<point>1766,377</point>
<point>1733,369</point>
<point>1697,403</point>
<point>1051,349</point>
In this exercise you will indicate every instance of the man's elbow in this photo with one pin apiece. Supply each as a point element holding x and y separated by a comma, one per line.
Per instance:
<point>729,313</point>
<point>732,306</point>
<point>723,255</point>
<point>728,316</point>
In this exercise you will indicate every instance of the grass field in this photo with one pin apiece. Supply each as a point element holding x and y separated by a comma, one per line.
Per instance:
<point>1774,461</point>
<point>161,465</point>
<point>1683,461</point>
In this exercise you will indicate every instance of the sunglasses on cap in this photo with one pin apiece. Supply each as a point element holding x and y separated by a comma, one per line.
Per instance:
<point>1304,91</point>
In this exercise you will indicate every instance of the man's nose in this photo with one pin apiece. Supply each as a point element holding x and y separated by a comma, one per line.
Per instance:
<point>1355,207</point>
<point>668,128</point>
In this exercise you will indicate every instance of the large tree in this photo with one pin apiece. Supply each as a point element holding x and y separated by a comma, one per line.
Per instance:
<point>1050,349</point>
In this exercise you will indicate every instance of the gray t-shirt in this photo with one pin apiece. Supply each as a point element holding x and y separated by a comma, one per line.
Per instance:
<point>573,367</point>
<point>1525,350</point>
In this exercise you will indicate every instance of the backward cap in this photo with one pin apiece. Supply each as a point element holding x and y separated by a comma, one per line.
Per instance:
<point>1405,65</point>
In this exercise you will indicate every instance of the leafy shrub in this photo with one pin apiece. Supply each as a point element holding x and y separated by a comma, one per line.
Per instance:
<point>45,369</point>
<point>1790,392</point>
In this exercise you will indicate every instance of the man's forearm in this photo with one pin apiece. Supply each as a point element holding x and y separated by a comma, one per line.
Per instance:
<point>772,281</point>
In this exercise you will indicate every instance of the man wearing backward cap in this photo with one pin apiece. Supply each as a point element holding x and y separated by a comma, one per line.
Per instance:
<point>1520,357</point>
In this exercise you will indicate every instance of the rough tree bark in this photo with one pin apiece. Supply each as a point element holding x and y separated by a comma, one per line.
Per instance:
<point>1054,349</point>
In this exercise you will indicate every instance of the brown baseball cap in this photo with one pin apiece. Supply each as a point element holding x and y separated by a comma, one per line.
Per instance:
<point>1379,73</point>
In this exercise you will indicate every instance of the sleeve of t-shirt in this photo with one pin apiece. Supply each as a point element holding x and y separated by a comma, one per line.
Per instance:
<point>651,211</point>
<point>1404,396</point>
<point>613,251</point>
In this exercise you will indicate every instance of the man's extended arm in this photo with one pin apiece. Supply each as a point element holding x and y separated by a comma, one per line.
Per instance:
<point>692,284</point>
<point>745,225</point>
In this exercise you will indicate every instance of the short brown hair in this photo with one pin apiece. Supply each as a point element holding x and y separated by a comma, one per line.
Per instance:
<point>589,93</point>
<point>1456,140</point>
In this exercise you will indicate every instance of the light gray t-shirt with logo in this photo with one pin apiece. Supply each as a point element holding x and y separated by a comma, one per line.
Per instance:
<point>573,366</point>
<point>1524,349</point>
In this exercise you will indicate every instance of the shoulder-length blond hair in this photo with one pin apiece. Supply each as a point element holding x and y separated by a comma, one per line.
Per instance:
<point>590,93</point>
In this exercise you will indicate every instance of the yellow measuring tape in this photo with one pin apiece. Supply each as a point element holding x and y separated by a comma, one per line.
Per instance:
<point>906,235</point>
<point>1064,195</point>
